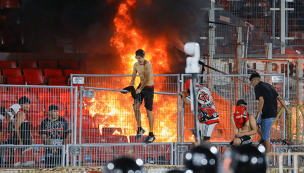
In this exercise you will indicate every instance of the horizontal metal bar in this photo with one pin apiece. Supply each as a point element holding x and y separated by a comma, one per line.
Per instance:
<point>108,89</point>
<point>38,86</point>
<point>286,38</point>
<point>119,75</point>
<point>234,75</point>
<point>116,144</point>
<point>287,9</point>
<point>34,145</point>
<point>265,60</point>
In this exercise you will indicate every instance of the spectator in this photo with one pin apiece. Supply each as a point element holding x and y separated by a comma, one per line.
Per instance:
<point>54,130</point>
<point>22,128</point>
<point>11,120</point>
<point>244,125</point>
<point>2,116</point>
<point>268,106</point>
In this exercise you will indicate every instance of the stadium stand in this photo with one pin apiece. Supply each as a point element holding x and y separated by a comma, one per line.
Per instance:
<point>8,64</point>
<point>10,73</point>
<point>69,64</point>
<point>33,76</point>
<point>51,73</point>
<point>27,64</point>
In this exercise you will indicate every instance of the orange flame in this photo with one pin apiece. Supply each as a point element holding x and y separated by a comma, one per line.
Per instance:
<point>116,132</point>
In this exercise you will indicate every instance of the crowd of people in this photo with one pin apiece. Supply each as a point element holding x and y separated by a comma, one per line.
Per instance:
<point>54,130</point>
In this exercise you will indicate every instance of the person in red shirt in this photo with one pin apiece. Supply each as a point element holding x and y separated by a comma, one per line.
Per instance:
<point>207,113</point>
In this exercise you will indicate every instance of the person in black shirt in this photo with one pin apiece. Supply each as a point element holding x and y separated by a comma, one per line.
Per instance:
<point>54,130</point>
<point>267,110</point>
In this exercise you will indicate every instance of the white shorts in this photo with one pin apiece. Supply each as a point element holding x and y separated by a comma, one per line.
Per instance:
<point>205,130</point>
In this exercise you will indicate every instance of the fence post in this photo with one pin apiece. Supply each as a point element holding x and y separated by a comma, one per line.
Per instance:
<point>298,124</point>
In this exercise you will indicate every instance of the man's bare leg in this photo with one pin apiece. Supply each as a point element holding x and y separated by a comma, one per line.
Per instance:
<point>267,146</point>
<point>151,120</point>
<point>137,113</point>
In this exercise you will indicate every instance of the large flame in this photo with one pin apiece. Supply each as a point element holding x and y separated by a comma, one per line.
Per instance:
<point>113,110</point>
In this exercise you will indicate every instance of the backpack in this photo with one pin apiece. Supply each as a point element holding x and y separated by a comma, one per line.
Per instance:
<point>241,116</point>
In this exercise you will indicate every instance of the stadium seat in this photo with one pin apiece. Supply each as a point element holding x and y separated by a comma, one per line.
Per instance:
<point>33,76</point>
<point>10,73</point>
<point>56,81</point>
<point>48,64</point>
<point>50,73</point>
<point>8,64</point>
<point>3,22</point>
<point>17,80</point>
<point>69,64</point>
<point>8,97</point>
<point>48,97</point>
<point>27,64</point>
<point>37,109</point>
<point>9,4</point>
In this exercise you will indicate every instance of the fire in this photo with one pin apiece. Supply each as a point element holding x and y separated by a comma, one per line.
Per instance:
<point>116,132</point>
<point>114,109</point>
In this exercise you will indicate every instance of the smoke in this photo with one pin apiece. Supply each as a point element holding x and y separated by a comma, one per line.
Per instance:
<point>90,26</point>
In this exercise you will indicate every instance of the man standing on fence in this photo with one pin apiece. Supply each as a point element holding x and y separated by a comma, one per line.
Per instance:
<point>145,90</point>
<point>54,130</point>
<point>244,125</point>
<point>267,109</point>
<point>207,113</point>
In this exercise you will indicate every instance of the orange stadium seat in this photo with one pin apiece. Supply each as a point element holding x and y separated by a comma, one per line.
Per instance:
<point>50,73</point>
<point>17,80</point>
<point>57,81</point>
<point>8,97</point>
<point>33,76</point>
<point>69,64</point>
<point>48,97</point>
<point>10,73</point>
<point>48,64</point>
<point>37,110</point>
<point>8,64</point>
<point>1,77</point>
<point>27,64</point>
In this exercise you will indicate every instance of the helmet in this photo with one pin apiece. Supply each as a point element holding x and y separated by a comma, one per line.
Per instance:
<point>202,159</point>
<point>125,165</point>
<point>246,158</point>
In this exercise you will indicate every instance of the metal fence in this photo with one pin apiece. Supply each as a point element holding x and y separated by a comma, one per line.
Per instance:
<point>102,154</point>
<point>106,111</point>
<point>33,156</point>
<point>226,90</point>
<point>40,98</point>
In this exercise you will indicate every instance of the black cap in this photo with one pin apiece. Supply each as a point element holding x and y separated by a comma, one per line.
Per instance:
<point>253,75</point>
<point>53,107</point>
<point>2,110</point>
<point>241,101</point>
<point>24,100</point>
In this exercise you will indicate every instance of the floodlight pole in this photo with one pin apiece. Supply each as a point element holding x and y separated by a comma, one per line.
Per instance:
<point>193,68</point>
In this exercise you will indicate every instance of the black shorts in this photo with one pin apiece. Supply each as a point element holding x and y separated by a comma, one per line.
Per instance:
<point>148,94</point>
<point>246,140</point>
